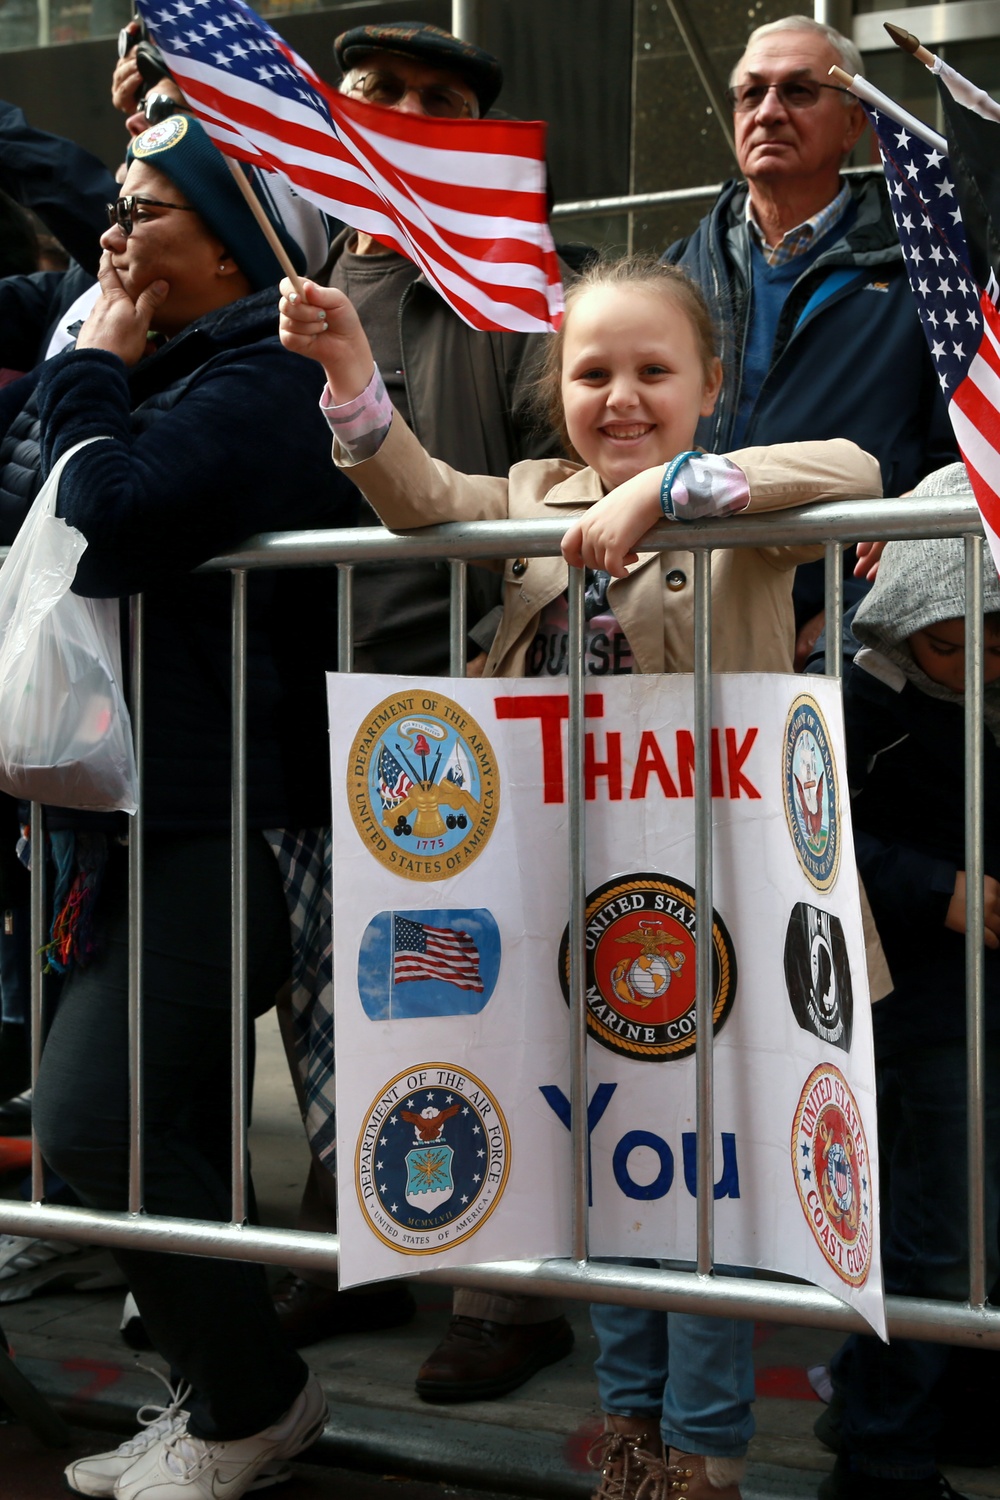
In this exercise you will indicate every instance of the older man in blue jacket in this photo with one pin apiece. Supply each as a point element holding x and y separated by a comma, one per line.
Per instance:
<point>820,334</point>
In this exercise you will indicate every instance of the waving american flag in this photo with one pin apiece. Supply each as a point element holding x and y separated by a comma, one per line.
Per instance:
<point>464,199</point>
<point>956,308</point>
<point>422,952</point>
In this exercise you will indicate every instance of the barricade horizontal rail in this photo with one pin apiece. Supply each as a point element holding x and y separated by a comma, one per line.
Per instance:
<point>847,521</point>
<point>775,1299</point>
<point>854,521</point>
<point>664,198</point>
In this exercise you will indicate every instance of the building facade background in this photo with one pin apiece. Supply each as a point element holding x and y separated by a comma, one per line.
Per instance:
<point>633,90</point>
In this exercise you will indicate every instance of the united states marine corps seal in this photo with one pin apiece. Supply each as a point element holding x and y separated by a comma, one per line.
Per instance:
<point>809,784</point>
<point>422,785</point>
<point>833,1174</point>
<point>432,1159</point>
<point>640,938</point>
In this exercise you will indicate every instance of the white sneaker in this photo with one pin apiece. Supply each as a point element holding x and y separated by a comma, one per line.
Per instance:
<point>28,1265</point>
<point>198,1469</point>
<point>97,1475</point>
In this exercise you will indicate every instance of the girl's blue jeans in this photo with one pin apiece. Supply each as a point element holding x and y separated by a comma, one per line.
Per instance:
<point>692,1372</point>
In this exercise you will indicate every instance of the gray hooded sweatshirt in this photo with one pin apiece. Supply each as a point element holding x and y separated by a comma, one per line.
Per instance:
<point>905,738</point>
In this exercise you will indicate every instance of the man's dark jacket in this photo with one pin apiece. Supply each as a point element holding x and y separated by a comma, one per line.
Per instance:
<point>469,393</point>
<point>850,358</point>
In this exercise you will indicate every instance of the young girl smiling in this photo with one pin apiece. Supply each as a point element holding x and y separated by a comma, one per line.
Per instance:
<point>626,380</point>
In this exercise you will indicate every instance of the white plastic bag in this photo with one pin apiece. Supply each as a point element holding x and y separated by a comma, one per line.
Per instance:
<point>65,732</point>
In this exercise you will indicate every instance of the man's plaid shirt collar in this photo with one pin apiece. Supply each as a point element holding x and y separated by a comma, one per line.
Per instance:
<point>802,238</point>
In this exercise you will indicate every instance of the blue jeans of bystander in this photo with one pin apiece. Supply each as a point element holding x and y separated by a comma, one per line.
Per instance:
<point>695,1373</point>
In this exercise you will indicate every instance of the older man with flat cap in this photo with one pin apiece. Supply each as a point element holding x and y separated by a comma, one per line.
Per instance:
<point>466,394</point>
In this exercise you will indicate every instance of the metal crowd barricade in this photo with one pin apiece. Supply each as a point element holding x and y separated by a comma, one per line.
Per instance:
<point>696,1290</point>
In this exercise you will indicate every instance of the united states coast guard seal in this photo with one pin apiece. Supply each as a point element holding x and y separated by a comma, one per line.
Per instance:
<point>432,1159</point>
<point>640,939</point>
<point>422,785</point>
<point>809,784</point>
<point>833,1173</point>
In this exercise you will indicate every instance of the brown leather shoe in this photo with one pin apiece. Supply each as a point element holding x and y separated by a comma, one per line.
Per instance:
<point>477,1359</point>
<point>695,1477</point>
<point>629,1454</point>
<point>309,1313</point>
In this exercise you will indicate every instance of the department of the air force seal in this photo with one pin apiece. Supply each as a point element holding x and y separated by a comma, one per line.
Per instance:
<point>432,1159</point>
<point>833,1173</point>
<point>422,785</point>
<point>809,784</point>
<point>818,975</point>
<point>640,939</point>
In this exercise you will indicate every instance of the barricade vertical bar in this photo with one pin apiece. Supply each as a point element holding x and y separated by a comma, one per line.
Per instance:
<point>239,900</point>
<point>458,622</point>
<point>136,854</point>
<point>834,604</point>
<point>974,911</point>
<point>704,1120</point>
<point>38,939</point>
<point>345,617</point>
<point>577,909</point>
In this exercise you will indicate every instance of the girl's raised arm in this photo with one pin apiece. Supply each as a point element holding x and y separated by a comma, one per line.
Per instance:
<point>322,325</point>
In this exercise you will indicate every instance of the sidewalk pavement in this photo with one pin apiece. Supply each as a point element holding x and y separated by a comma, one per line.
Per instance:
<point>533,1442</point>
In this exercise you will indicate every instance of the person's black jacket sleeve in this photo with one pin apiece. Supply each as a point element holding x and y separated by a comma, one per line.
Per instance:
<point>65,185</point>
<point>904,883</point>
<point>228,460</point>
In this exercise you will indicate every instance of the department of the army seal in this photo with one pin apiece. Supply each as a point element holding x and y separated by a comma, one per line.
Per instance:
<point>833,1173</point>
<point>432,1159</point>
<point>422,785</point>
<point>809,784</point>
<point>640,939</point>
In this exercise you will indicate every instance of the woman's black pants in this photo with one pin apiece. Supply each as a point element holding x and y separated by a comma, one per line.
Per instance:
<point>212,1319</point>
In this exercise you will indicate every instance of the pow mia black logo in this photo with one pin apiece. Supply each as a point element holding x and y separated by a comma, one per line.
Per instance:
<point>818,975</point>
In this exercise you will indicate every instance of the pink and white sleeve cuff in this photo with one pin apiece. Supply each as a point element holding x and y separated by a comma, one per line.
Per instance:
<point>707,486</point>
<point>360,425</point>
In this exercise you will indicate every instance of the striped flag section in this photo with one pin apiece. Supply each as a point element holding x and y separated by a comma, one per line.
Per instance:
<point>464,199</point>
<point>952,286</point>
<point>444,953</point>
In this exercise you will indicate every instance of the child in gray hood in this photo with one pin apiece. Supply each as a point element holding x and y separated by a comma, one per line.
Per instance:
<point>904,709</point>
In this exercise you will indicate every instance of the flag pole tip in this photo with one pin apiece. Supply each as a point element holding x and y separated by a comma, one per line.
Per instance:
<point>902,37</point>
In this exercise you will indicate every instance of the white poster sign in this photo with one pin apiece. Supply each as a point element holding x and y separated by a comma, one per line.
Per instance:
<point>450,840</point>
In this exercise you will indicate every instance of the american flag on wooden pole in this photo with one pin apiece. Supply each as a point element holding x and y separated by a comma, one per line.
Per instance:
<point>423,952</point>
<point>464,199</point>
<point>957,309</point>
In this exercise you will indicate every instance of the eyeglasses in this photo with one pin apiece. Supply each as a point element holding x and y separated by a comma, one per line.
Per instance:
<point>797,93</point>
<point>157,107</point>
<point>120,213</point>
<point>387,89</point>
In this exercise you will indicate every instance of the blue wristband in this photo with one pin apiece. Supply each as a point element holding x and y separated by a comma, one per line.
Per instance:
<point>670,473</point>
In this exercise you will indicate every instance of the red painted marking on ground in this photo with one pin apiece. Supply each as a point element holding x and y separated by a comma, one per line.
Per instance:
<point>15,1155</point>
<point>579,1443</point>
<point>102,1373</point>
<point>789,1382</point>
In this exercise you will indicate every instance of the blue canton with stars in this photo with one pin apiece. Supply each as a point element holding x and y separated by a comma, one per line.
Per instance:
<point>228,36</point>
<point>929,224</point>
